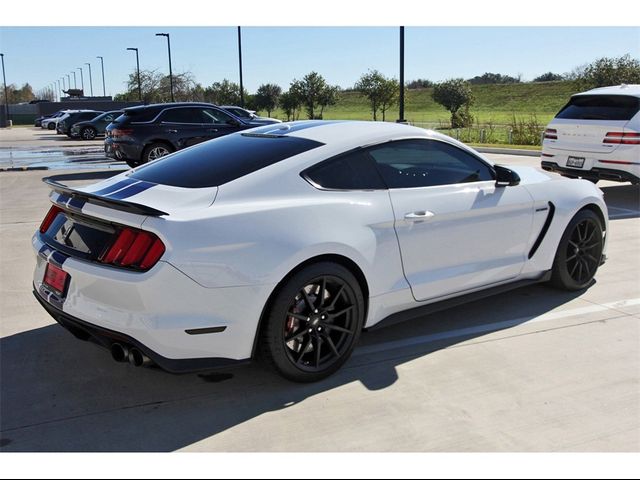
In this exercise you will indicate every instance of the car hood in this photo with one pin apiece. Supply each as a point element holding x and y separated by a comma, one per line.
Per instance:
<point>530,175</point>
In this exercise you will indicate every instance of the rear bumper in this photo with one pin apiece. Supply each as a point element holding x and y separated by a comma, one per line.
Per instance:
<point>179,324</point>
<point>106,338</point>
<point>592,174</point>
<point>122,150</point>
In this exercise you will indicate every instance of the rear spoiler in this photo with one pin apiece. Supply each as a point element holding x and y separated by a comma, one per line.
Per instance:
<point>121,205</point>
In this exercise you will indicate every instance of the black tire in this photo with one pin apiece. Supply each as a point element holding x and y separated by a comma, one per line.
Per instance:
<point>88,133</point>
<point>307,336</point>
<point>579,252</point>
<point>133,163</point>
<point>154,151</point>
<point>51,126</point>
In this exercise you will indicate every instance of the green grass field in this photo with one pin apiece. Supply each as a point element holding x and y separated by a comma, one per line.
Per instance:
<point>494,103</point>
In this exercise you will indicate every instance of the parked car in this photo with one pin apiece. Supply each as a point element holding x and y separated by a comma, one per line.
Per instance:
<point>289,239</point>
<point>90,129</point>
<point>148,132</point>
<point>49,122</point>
<point>70,118</point>
<point>596,136</point>
<point>249,115</point>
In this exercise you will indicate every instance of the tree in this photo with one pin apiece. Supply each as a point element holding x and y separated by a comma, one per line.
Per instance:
<point>290,103</point>
<point>488,77</point>
<point>267,97</point>
<point>549,77</point>
<point>381,91</point>
<point>608,71</point>
<point>419,83</point>
<point>224,93</point>
<point>17,95</point>
<point>456,96</point>
<point>314,93</point>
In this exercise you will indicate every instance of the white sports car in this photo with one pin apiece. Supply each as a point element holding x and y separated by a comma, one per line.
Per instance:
<point>286,241</point>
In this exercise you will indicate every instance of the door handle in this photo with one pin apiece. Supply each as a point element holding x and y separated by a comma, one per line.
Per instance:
<point>172,131</point>
<point>213,130</point>
<point>419,215</point>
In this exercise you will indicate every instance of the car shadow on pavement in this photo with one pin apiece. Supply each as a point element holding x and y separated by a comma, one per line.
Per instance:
<point>623,201</point>
<point>62,394</point>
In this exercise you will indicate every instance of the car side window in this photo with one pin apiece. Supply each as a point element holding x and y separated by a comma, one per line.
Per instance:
<point>182,115</point>
<point>351,171</point>
<point>427,163</point>
<point>211,115</point>
<point>107,118</point>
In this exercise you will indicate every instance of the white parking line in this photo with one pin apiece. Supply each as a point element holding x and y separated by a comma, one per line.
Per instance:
<point>491,327</point>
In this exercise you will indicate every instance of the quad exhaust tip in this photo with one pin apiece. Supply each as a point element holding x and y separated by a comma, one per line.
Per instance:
<point>122,353</point>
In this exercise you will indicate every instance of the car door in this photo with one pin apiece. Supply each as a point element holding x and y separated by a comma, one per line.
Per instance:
<point>101,125</point>
<point>182,126</point>
<point>456,230</point>
<point>218,123</point>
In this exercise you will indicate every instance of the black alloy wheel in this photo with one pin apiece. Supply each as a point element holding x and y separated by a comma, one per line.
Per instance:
<point>315,322</point>
<point>88,133</point>
<point>579,253</point>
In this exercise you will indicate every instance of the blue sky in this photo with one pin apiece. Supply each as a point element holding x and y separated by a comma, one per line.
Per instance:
<point>41,55</point>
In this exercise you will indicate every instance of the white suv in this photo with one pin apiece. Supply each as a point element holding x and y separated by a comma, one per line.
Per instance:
<point>596,136</point>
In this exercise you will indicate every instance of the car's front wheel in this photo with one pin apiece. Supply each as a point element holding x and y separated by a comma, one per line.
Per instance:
<point>314,323</point>
<point>579,252</point>
<point>88,133</point>
<point>51,126</point>
<point>155,151</point>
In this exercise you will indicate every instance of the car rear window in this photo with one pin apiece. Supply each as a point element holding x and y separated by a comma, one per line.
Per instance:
<point>600,107</point>
<point>222,160</point>
<point>138,115</point>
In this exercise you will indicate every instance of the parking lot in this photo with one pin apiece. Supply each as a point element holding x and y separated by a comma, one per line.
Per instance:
<point>532,370</point>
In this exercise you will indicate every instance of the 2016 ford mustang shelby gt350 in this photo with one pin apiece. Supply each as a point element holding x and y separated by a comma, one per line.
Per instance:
<point>286,241</point>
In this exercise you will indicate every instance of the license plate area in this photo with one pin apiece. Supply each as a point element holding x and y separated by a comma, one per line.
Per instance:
<point>56,280</point>
<point>575,162</point>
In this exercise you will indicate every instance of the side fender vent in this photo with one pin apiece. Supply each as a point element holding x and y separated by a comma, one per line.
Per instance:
<point>543,232</point>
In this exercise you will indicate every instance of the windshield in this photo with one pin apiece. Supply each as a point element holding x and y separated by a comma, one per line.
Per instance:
<point>600,107</point>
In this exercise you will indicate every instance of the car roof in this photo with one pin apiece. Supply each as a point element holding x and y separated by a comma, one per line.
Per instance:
<point>630,90</point>
<point>161,106</point>
<point>332,131</point>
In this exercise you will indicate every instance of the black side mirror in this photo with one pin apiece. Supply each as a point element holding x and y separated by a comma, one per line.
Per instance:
<point>506,177</point>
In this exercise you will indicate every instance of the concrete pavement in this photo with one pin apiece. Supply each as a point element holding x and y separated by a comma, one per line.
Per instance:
<point>532,370</point>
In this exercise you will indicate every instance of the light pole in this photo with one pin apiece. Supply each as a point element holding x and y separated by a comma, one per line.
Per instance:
<point>401,102</point>
<point>138,71</point>
<point>68,81</point>
<point>75,84</point>
<point>81,80</point>
<point>170,71</point>
<point>104,90</point>
<point>63,84</point>
<point>240,64</point>
<point>90,80</point>
<point>6,95</point>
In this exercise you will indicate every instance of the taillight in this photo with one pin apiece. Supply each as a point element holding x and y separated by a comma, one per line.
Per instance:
<point>121,132</point>
<point>134,248</point>
<point>551,134</point>
<point>50,217</point>
<point>622,138</point>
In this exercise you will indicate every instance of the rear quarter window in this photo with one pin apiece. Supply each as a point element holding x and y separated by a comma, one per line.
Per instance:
<point>222,160</point>
<point>600,107</point>
<point>142,115</point>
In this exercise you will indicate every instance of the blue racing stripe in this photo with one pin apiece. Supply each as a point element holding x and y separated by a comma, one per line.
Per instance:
<point>76,203</point>
<point>116,186</point>
<point>131,191</point>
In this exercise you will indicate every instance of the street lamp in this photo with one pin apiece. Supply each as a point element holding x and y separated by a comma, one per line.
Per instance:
<point>6,95</point>
<point>170,72</point>
<point>240,63</point>
<point>81,80</point>
<point>104,90</point>
<point>68,81</point>
<point>90,80</point>
<point>58,89</point>
<point>75,84</point>
<point>401,101</point>
<point>138,70</point>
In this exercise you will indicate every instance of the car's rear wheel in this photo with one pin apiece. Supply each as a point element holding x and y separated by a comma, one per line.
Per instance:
<point>88,133</point>
<point>579,252</point>
<point>51,126</point>
<point>155,151</point>
<point>314,323</point>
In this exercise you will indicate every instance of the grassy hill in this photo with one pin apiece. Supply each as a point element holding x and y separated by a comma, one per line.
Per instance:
<point>494,103</point>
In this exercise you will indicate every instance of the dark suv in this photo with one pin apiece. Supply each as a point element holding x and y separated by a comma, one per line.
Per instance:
<point>90,129</point>
<point>148,132</point>
<point>67,121</point>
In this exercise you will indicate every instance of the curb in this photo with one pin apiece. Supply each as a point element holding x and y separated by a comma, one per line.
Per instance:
<point>21,169</point>
<point>509,151</point>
